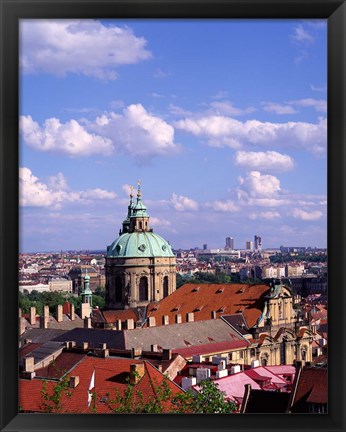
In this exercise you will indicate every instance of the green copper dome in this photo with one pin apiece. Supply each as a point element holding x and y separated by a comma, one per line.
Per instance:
<point>140,244</point>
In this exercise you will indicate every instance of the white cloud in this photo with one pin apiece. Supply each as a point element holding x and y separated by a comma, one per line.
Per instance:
<point>278,108</point>
<point>227,108</point>
<point>183,203</point>
<point>320,105</point>
<point>258,185</point>
<point>85,47</point>
<point>70,138</point>
<point>307,216</point>
<point>302,36</point>
<point>269,160</point>
<point>224,131</point>
<point>223,206</point>
<point>35,193</point>
<point>135,132</point>
<point>318,89</point>
<point>154,221</point>
<point>269,215</point>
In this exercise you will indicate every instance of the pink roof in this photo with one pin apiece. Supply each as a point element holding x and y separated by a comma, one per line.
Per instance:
<point>233,385</point>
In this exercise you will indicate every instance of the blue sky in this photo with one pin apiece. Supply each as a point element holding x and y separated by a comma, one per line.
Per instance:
<point>224,122</point>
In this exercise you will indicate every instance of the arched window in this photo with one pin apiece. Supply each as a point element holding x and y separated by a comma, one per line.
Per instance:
<point>264,361</point>
<point>118,289</point>
<point>140,225</point>
<point>143,288</point>
<point>303,351</point>
<point>165,286</point>
<point>252,352</point>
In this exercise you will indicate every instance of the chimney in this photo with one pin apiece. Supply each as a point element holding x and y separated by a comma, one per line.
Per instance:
<point>130,324</point>
<point>43,322</point>
<point>213,314</point>
<point>21,325</point>
<point>152,321</point>
<point>46,312</point>
<point>103,346</point>
<point>59,313</point>
<point>87,322</point>
<point>70,344</point>
<point>137,371</point>
<point>85,345</point>
<point>154,348</point>
<point>165,320</point>
<point>119,324</point>
<point>32,315</point>
<point>166,354</point>
<point>136,352</point>
<point>105,352</point>
<point>178,319</point>
<point>72,317</point>
<point>28,364</point>
<point>190,317</point>
<point>159,368</point>
<point>74,381</point>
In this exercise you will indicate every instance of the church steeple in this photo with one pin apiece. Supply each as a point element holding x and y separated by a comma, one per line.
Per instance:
<point>86,294</point>
<point>139,220</point>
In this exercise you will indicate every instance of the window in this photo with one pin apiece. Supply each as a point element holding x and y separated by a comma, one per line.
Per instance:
<point>165,286</point>
<point>143,288</point>
<point>252,352</point>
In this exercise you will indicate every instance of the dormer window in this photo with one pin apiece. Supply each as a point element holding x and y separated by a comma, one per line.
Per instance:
<point>195,289</point>
<point>219,291</point>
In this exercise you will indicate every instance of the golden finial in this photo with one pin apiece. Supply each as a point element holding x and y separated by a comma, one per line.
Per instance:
<point>131,193</point>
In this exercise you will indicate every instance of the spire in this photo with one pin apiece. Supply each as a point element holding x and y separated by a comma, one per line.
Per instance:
<point>139,194</point>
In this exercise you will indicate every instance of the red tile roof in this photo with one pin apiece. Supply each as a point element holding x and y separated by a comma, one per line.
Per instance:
<point>312,388</point>
<point>224,299</point>
<point>110,376</point>
<point>111,316</point>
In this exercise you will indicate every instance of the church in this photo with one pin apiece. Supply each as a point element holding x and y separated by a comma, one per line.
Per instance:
<point>140,265</point>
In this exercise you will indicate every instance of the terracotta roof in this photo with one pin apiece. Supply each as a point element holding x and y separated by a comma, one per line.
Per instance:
<point>111,316</point>
<point>110,376</point>
<point>60,366</point>
<point>224,299</point>
<point>312,387</point>
<point>27,349</point>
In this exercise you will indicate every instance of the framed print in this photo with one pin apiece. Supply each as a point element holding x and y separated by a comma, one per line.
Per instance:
<point>173,215</point>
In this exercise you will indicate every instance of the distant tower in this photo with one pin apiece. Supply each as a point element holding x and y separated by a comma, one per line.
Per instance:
<point>249,245</point>
<point>87,296</point>
<point>140,265</point>
<point>229,243</point>
<point>258,243</point>
<point>205,246</point>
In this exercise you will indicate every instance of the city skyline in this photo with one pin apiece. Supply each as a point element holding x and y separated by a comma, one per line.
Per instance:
<point>223,121</point>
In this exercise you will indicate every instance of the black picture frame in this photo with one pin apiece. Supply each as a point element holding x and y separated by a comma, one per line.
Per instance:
<point>11,12</point>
